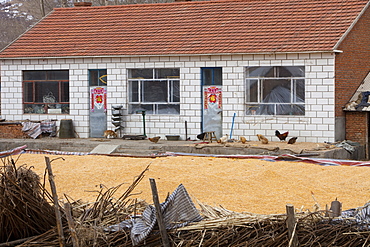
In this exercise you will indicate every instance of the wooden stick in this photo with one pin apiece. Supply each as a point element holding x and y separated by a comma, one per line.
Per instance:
<point>56,203</point>
<point>71,224</point>
<point>15,242</point>
<point>162,227</point>
<point>336,208</point>
<point>291,225</point>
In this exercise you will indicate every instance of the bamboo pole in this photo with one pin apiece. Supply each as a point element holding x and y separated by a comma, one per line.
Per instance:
<point>56,203</point>
<point>162,227</point>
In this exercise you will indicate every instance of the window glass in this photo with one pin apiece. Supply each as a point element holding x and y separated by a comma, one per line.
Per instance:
<point>252,91</point>
<point>155,96</point>
<point>291,71</point>
<point>134,91</point>
<point>265,71</point>
<point>217,76</point>
<point>35,108</point>
<point>207,76</point>
<point>28,91</point>
<point>168,109</point>
<point>275,90</point>
<point>58,75</point>
<point>64,91</point>
<point>175,91</point>
<point>167,73</point>
<point>138,108</point>
<point>155,91</point>
<point>103,77</point>
<point>34,75</point>
<point>212,76</point>
<point>98,77</point>
<point>46,92</point>
<point>299,95</point>
<point>141,74</point>
<point>275,71</point>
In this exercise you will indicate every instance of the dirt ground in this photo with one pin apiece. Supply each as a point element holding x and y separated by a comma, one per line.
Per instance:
<point>242,185</point>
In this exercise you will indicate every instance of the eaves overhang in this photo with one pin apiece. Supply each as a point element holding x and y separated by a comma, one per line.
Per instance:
<point>172,55</point>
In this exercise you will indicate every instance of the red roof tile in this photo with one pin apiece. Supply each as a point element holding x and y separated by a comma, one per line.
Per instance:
<point>206,27</point>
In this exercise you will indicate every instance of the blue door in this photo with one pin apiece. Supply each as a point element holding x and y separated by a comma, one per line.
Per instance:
<point>212,100</point>
<point>98,102</point>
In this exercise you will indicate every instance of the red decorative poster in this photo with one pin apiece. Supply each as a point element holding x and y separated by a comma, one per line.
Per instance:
<point>98,98</point>
<point>205,98</point>
<point>212,95</point>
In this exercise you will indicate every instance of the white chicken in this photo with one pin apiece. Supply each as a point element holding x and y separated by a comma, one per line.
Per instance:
<point>224,138</point>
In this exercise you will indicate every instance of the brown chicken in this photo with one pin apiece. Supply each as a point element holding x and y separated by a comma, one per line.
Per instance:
<point>263,139</point>
<point>292,140</point>
<point>243,139</point>
<point>154,139</point>
<point>282,136</point>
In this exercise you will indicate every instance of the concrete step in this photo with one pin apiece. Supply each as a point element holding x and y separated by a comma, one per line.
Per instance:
<point>104,149</point>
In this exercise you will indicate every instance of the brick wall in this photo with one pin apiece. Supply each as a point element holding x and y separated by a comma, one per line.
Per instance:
<point>352,65</point>
<point>357,126</point>
<point>316,126</point>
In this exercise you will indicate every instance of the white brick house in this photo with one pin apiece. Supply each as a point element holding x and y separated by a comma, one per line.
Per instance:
<point>314,121</point>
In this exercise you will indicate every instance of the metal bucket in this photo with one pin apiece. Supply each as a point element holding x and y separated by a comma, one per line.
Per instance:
<point>66,129</point>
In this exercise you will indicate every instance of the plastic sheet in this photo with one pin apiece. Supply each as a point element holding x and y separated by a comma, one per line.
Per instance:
<point>281,96</point>
<point>212,119</point>
<point>178,210</point>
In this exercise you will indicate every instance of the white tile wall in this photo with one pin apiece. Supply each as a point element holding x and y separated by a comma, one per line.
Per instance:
<point>316,126</point>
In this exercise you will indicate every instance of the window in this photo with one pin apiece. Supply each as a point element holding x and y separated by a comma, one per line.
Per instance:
<point>212,76</point>
<point>46,91</point>
<point>98,77</point>
<point>275,90</point>
<point>155,91</point>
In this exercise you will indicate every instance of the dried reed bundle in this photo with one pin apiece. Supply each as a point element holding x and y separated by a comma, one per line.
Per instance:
<point>24,203</point>
<point>220,226</point>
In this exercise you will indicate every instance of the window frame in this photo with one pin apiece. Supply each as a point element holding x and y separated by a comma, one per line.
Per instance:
<point>98,80</point>
<point>252,107</point>
<point>138,103</point>
<point>36,107</point>
<point>214,77</point>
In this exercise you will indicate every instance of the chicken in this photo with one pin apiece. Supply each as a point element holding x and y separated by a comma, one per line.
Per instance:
<point>154,139</point>
<point>283,136</point>
<point>292,140</point>
<point>263,139</point>
<point>201,136</point>
<point>243,139</point>
<point>224,138</point>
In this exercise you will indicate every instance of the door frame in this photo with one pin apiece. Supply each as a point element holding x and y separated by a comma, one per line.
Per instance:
<point>214,80</point>
<point>97,79</point>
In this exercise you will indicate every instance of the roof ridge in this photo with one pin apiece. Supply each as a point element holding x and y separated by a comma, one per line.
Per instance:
<point>159,4</point>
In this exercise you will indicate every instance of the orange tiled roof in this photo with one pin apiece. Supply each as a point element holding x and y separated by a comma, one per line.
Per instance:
<point>206,27</point>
